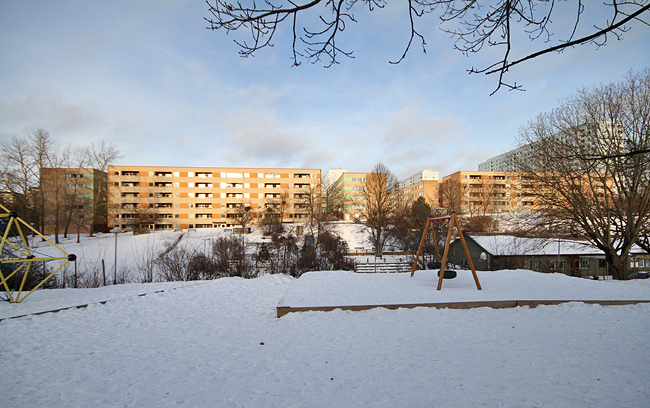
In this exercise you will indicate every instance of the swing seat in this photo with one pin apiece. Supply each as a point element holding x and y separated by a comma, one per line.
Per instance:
<point>448,274</point>
<point>434,265</point>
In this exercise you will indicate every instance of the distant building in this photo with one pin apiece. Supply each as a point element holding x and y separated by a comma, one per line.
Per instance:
<point>422,184</point>
<point>587,134</point>
<point>508,161</point>
<point>11,200</point>
<point>483,192</point>
<point>75,198</point>
<point>348,195</point>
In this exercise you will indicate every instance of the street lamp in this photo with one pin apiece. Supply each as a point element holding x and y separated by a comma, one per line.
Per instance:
<point>115,231</point>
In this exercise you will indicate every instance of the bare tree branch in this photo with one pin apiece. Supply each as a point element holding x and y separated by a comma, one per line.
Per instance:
<point>472,24</point>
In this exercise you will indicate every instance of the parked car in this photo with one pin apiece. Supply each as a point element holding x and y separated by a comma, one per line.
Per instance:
<point>639,275</point>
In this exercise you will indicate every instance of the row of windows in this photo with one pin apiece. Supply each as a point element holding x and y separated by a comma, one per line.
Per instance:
<point>205,174</point>
<point>210,195</point>
<point>498,203</point>
<point>209,205</point>
<point>211,185</point>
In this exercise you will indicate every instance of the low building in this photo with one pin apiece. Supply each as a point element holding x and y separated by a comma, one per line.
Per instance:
<point>551,255</point>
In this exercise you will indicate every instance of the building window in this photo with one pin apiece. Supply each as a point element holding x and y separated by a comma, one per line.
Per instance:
<point>585,263</point>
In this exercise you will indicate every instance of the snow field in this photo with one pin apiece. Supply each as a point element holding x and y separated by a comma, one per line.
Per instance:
<point>201,346</point>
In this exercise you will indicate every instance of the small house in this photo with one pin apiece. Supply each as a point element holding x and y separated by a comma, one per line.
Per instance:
<point>569,256</point>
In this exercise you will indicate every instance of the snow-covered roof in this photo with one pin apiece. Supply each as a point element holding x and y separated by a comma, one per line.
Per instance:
<point>508,245</point>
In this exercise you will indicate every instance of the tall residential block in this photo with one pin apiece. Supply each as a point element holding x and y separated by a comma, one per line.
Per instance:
<point>206,197</point>
<point>422,184</point>
<point>348,195</point>
<point>483,192</point>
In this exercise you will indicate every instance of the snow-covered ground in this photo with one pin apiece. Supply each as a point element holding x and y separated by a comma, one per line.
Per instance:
<point>219,343</point>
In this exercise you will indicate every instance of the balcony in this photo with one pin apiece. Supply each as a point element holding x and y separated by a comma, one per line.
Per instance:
<point>162,184</point>
<point>130,184</point>
<point>131,173</point>
<point>301,175</point>
<point>163,174</point>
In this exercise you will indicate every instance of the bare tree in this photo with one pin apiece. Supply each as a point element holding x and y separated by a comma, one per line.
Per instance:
<point>99,156</point>
<point>380,206</point>
<point>275,207</point>
<point>43,150</point>
<point>582,170</point>
<point>474,24</point>
<point>18,176</point>
<point>75,210</point>
<point>453,194</point>
<point>242,212</point>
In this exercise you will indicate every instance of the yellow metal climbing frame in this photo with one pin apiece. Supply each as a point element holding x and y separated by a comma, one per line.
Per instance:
<point>18,258</point>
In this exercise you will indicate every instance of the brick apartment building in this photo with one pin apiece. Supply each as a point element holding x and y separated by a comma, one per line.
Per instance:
<point>484,192</point>
<point>422,184</point>
<point>348,195</point>
<point>206,197</point>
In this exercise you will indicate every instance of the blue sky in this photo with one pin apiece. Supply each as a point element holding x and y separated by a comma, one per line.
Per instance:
<point>149,77</point>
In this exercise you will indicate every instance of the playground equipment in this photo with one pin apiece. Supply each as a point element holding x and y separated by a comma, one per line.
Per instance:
<point>18,259</point>
<point>453,222</point>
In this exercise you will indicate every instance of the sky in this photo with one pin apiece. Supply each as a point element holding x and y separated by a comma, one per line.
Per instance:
<point>148,77</point>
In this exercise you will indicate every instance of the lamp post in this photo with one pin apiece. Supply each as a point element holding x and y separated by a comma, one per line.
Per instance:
<point>115,231</point>
<point>33,228</point>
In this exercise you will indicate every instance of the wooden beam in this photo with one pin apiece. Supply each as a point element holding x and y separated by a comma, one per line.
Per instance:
<point>494,304</point>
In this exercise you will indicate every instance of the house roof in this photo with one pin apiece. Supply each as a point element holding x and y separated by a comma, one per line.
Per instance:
<point>510,245</point>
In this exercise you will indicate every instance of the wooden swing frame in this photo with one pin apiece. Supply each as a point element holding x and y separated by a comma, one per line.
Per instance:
<point>452,223</point>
